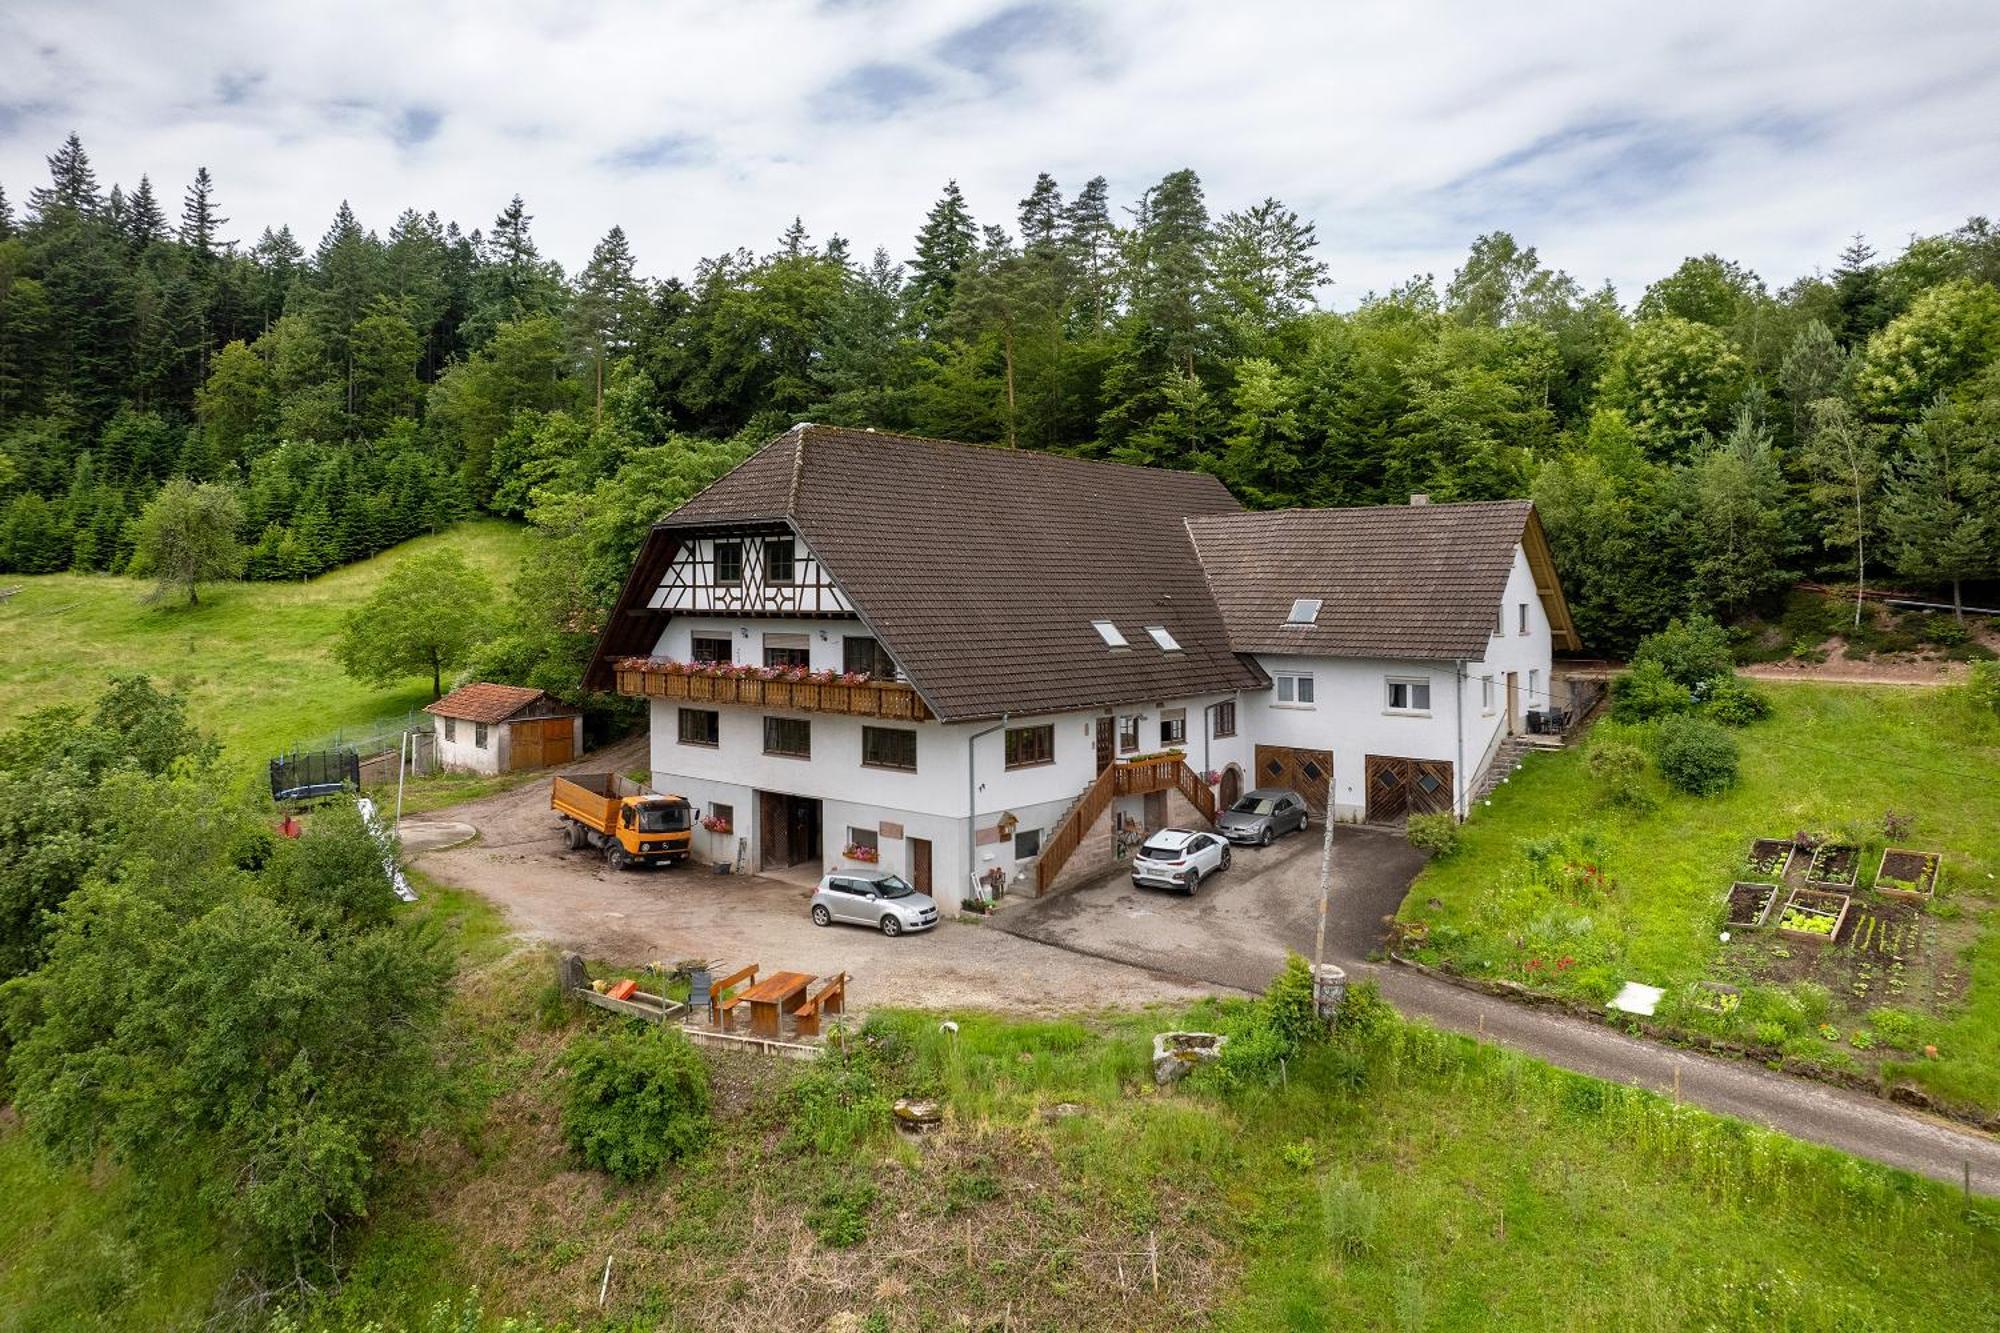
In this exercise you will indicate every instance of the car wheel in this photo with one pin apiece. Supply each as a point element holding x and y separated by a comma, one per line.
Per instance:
<point>821,917</point>
<point>891,927</point>
<point>1223,863</point>
<point>1193,883</point>
<point>1264,838</point>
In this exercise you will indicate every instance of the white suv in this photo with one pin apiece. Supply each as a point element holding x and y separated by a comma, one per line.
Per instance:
<point>1179,858</point>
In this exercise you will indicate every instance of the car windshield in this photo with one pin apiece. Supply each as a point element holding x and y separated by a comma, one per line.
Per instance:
<point>1251,805</point>
<point>663,818</point>
<point>889,887</point>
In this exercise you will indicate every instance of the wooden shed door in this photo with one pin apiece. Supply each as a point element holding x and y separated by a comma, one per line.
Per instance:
<point>1398,787</point>
<point>540,742</point>
<point>1307,772</point>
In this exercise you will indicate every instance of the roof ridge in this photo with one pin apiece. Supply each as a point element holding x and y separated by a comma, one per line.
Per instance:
<point>798,467</point>
<point>1024,452</point>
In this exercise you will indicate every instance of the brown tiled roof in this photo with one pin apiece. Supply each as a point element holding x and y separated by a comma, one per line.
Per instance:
<point>981,569</point>
<point>1418,581</point>
<point>481,702</point>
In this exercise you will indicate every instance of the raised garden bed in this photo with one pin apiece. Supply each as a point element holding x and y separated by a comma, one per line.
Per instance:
<point>1908,875</point>
<point>1750,904</point>
<point>1771,858</point>
<point>1814,916</point>
<point>1834,864</point>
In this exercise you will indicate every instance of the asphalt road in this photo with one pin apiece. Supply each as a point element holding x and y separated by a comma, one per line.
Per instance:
<point>1236,931</point>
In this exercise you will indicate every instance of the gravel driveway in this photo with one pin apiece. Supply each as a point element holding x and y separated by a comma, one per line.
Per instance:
<point>572,899</point>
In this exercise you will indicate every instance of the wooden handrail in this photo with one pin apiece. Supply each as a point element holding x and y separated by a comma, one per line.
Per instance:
<point>1197,792</point>
<point>1063,841</point>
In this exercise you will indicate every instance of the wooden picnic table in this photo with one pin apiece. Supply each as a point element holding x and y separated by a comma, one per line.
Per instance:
<point>772,998</point>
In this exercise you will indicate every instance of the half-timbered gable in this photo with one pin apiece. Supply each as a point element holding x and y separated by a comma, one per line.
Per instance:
<point>751,573</point>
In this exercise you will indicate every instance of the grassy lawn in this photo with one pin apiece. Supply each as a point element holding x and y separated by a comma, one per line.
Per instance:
<point>1409,1179</point>
<point>1554,890</point>
<point>255,658</point>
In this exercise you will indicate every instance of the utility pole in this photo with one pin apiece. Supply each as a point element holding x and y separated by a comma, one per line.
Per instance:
<point>1325,896</point>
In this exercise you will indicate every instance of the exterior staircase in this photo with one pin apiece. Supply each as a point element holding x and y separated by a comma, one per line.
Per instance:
<point>1135,777</point>
<point>1505,759</point>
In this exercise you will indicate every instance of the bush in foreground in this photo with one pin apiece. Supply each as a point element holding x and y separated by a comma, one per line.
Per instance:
<point>1697,756</point>
<point>637,1099</point>
<point>1619,769</point>
<point>1436,834</point>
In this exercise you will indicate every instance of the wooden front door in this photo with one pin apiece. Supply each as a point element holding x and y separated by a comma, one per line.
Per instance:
<point>788,830</point>
<point>1106,732</point>
<point>1399,787</point>
<point>920,864</point>
<point>772,846</point>
<point>1232,786</point>
<point>1307,772</point>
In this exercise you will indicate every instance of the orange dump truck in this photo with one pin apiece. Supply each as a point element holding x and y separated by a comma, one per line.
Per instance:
<point>630,824</point>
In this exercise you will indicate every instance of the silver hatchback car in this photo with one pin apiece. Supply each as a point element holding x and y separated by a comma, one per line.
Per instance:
<point>1262,815</point>
<point>876,898</point>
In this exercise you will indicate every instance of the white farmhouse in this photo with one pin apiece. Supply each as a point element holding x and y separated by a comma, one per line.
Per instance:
<point>991,669</point>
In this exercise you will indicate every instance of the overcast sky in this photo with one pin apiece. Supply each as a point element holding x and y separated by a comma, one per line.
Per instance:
<point>1615,142</point>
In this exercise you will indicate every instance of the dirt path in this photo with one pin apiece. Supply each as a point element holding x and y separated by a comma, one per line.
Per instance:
<point>572,899</point>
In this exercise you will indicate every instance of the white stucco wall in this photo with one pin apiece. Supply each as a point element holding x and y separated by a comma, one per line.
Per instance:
<point>462,755</point>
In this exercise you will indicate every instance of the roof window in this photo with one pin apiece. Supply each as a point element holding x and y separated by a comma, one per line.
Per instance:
<point>1109,633</point>
<point>1167,642</point>
<point>1305,612</point>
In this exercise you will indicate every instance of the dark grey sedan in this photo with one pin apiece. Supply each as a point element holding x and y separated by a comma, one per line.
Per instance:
<point>1260,816</point>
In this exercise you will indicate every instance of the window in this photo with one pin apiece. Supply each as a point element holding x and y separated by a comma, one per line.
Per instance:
<point>1173,727</point>
<point>889,747</point>
<point>1027,844</point>
<point>1109,633</point>
<point>479,734</point>
<point>1225,718</point>
<point>867,838</point>
<point>451,728</point>
<point>788,736</point>
<point>1409,694</point>
<point>787,650</point>
<point>728,562</point>
<point>1128,735</point>
<point>724,815</point>
<point>779,560</point>
<point>1500,618</point>
<point>1534,688</point>
<point>1294,691</point>
<point>700,726</point>
<point>1486,693</point>
<point>1167,642</point>
<point>712,648</point>
<point>1029,746</point>
<point>859,653</point>
<point>1305,612</point>
<point>1524,617</point>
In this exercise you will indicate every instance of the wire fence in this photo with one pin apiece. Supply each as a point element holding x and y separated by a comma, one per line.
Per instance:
<point>383,734</point>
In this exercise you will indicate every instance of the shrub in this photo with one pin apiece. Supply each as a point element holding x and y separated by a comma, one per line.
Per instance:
<point>1646,692</point>
<point>1619,768</point>
<point>1688,651</point>
<point>1733,701</point>
<point>1696,756</point>
<point>1290,1002</point>
<point>1436,834</point>
<point>1300,1156</point>
<point>1983,686</point>
<point>637,1100</point>
<point>1364,1014</point>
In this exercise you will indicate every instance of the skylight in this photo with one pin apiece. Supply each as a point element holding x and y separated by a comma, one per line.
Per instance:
<point>1167,642</point>
<point>1305,612</point>
<point>1109,633</point>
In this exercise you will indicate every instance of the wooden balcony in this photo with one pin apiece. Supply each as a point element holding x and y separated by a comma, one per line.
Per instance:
<point>893,700</point>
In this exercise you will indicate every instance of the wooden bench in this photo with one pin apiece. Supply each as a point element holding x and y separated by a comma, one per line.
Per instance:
<point>831,998</point>
<point>721,1001</point>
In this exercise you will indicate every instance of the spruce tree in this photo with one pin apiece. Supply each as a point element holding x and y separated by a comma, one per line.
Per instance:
<point>610,302</point>
<point>145,223</point>
<point>1090,242</point>
<point>946,244</point>
<point>6,215</point>
<point>1042,215</point>
<point>72,189</point>
<point>199,219</point>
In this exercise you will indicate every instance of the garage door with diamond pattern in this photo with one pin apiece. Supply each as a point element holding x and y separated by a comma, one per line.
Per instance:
<point>1307,772</point>
<point>1400,787</point>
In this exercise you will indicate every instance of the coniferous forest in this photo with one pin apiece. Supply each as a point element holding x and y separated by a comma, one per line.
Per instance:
<point>1693,447</point>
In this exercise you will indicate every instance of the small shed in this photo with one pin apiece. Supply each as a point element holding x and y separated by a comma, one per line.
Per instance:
<point>485,728</point>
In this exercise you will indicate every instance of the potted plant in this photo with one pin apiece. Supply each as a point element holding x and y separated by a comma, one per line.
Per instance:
<point>867,855</point>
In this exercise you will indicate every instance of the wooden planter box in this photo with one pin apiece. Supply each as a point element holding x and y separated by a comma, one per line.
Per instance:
<point>1743,897</point>
<point>1823,903</point>
<point>1930,866</point>
<point>1784,849</point>
<point>1816,870</point>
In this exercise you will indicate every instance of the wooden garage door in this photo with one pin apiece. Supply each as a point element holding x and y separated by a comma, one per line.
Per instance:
<point>539,742</point>
<point>1399,787</point>
<point>1307,772</point>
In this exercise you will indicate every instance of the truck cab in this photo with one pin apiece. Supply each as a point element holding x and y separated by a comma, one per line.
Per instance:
<point>653,828</point>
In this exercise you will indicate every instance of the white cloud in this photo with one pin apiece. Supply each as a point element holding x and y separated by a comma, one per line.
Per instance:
<point>1616,139</point>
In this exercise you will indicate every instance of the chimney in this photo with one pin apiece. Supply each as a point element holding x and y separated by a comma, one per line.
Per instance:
<point>1420,498</point>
